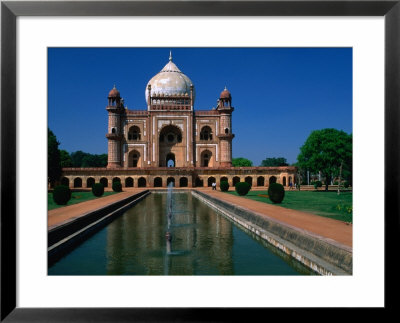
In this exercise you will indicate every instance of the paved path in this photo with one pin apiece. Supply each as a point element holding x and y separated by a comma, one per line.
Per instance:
<point>328,228</point>
<point>64,214</point>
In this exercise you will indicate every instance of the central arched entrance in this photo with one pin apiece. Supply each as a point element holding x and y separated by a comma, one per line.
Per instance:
<point>171,147</point>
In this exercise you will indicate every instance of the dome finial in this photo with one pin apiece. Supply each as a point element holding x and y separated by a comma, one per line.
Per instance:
<point>170,55</point>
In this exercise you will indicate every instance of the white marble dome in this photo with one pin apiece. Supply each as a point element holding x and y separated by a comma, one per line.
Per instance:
<point>169,81</point>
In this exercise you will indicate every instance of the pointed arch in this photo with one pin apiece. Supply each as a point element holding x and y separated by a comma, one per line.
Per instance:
<point>129,182</point>
<point>142,182</point>
<point>206,133</point>
<point>77,182</point>
<point>90,182</point>
<point>211,180</point>
<point>249,179</point>
<point>171,180</point>
<point>134,133</point>
<point>260,181</point>
<point>134,159</point>
<point>235,180</point>
<point>206,158</point>
<point>183,182</point>
<point>158,182</point>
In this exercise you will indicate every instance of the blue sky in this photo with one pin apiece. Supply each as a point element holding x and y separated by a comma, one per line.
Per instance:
<point>280,95</point>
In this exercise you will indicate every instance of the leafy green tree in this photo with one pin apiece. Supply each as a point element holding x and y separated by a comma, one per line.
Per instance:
<point>241,162</point>
<point>326,150</point>
<point>88,161</point>
<point>65,159</point>
<point>103,160</point>
<point>82,159</point>
<point>53,158</point>
<point>77,158</point>
<point>279,161</point>
<point>92,160</point>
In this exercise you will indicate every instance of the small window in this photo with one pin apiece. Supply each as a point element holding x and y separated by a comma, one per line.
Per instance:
<point>226,130</point>
<point>205,133</point>
<point>113,130</point>
<point>134,133</point>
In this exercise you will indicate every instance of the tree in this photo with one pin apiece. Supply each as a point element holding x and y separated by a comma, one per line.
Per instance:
<point>77,158</point>
<point>279,161</point>
<point>82,159</point>
<point>92,160</point>
<point>53,158</point>
<point>65,159</point>
<point>326,150</point>
<point>241,162</point>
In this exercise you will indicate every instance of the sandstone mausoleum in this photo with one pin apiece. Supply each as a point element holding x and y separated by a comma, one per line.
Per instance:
<point>171,141</point>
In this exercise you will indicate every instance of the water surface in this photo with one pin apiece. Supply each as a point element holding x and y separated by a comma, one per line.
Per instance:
<point>203,243</point>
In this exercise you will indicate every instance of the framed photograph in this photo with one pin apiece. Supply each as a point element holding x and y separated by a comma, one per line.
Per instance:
<point>34,34</point>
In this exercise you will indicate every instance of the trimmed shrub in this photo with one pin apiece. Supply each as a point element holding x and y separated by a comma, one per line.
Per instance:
<point>346,184</point>
<point>117,186</point>
<point>317,184</point>
<point>224,186</point>
<point>61,194</point>
<point>276,192</point>
<point>97,189</point>
<point>242,188</point>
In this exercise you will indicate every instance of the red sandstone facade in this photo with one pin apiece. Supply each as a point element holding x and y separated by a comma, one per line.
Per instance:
<point>170,133</point>
<point>170,141</point>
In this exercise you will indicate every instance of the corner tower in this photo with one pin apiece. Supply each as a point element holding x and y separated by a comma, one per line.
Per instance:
<point>225,135</point>
<point>115,108</point>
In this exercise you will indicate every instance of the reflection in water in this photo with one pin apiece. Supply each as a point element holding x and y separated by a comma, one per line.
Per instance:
<point>195,240</point>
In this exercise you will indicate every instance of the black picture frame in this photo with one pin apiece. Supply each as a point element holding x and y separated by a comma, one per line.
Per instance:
<point>10,10</point>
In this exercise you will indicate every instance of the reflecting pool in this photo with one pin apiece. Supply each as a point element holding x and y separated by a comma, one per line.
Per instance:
<point>193,240</point>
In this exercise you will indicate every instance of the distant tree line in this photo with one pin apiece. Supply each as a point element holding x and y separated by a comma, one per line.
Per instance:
<point>274,161</point>
<point>268,162</point>
<point>82,159</point>
<point>241,162</point>
<point>57,159</point>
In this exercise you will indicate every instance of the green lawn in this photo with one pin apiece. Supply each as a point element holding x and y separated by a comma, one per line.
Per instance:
<point>327,204</point>
<point>77,197</point>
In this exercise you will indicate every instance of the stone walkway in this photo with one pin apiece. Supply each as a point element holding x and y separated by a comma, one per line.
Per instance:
<point>65,214</point>
<point>328,228</point>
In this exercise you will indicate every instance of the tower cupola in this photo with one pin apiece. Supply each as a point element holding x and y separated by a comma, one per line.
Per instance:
<point>114,98</point>
<point>225,100</point>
